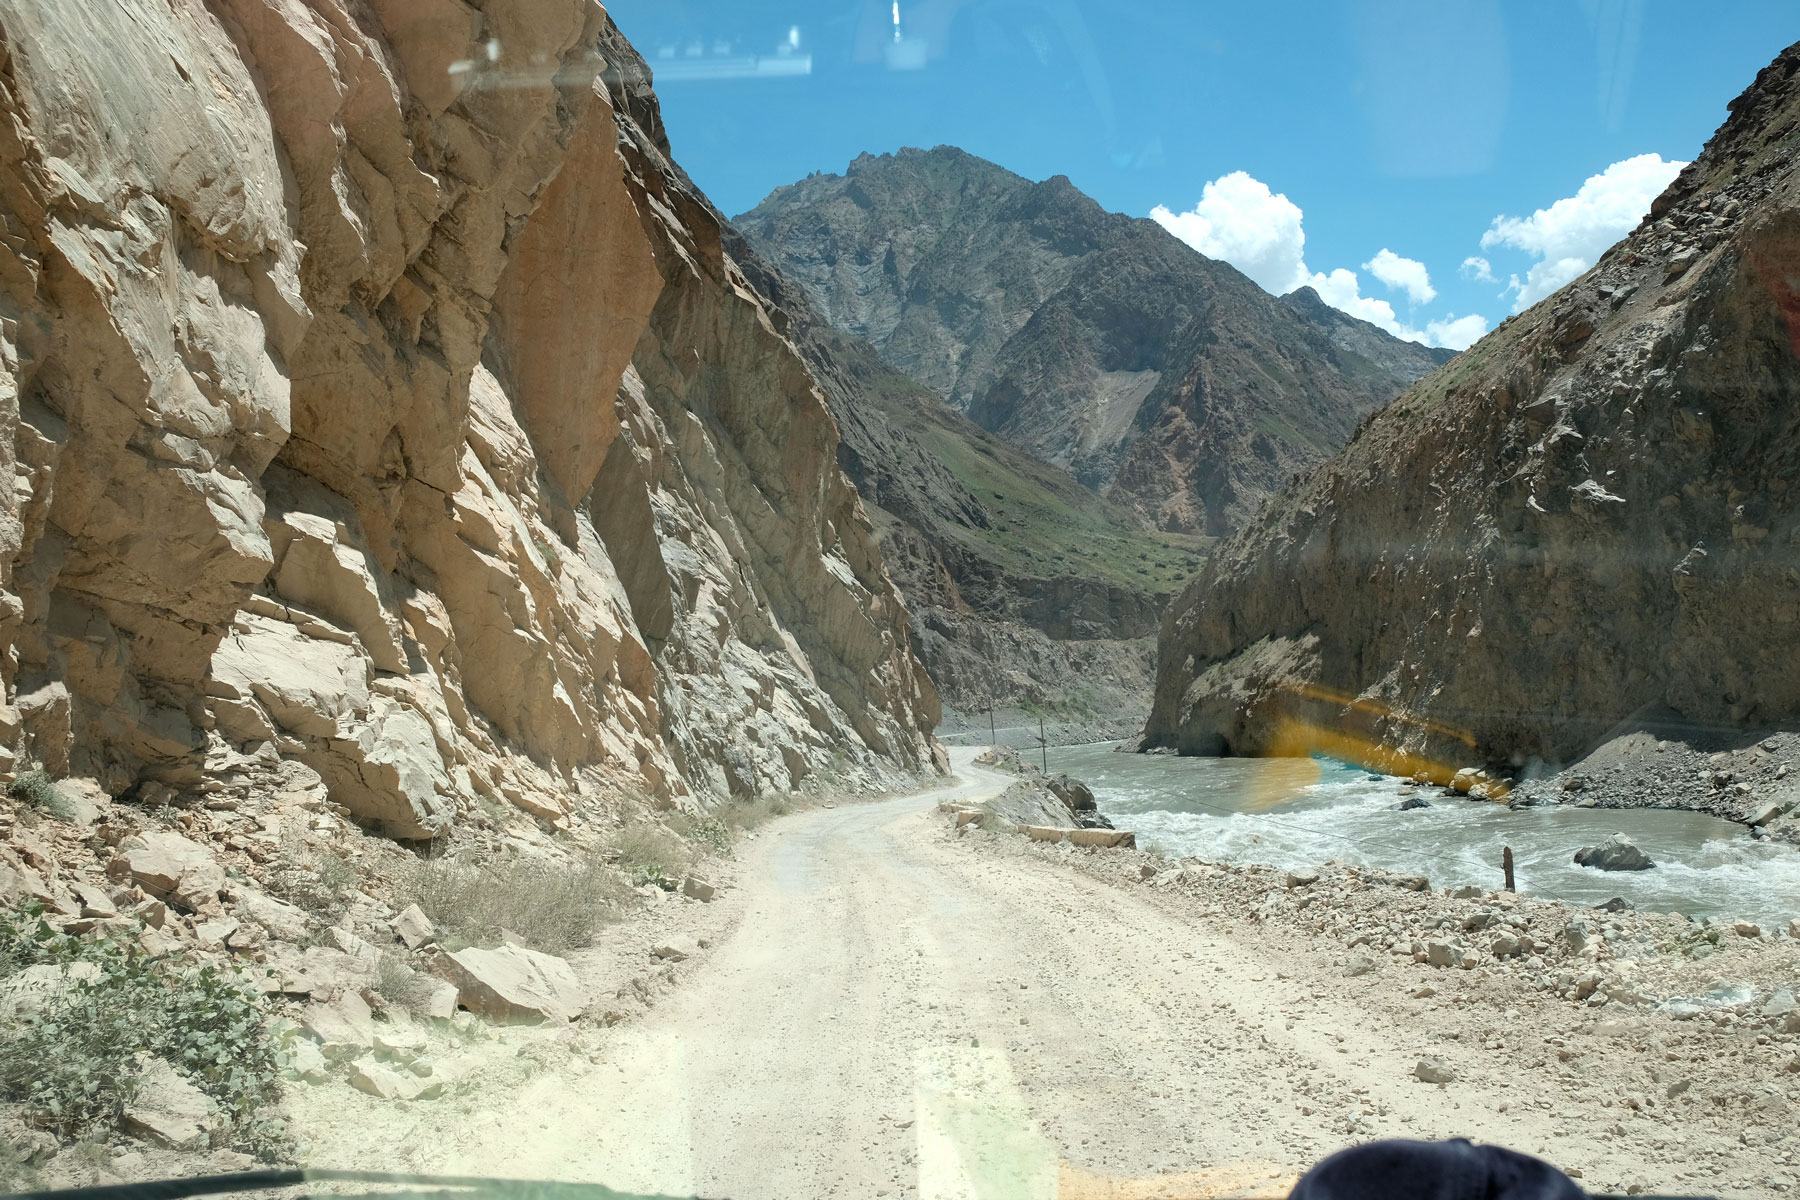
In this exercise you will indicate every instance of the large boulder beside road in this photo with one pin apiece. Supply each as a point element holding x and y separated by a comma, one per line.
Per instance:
<point>511,983</point>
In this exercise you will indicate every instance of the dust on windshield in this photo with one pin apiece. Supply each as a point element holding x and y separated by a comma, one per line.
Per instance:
<point>961,599</point>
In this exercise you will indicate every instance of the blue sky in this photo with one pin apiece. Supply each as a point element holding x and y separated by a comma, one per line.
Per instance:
<point>1408,127</point>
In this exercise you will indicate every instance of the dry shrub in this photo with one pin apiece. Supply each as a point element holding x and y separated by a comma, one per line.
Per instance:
<point>757,812</point>
<point>555,905</point>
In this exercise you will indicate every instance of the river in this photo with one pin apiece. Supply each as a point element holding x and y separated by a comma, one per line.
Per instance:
<point>1298,813</point>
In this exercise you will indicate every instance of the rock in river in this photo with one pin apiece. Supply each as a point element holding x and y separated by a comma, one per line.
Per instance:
<point>1616,853</point>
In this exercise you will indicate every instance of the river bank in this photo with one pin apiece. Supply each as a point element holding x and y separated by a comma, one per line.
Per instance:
<point>1752,778</point>
<point>1638,1050</point>
<point>1292,813</point>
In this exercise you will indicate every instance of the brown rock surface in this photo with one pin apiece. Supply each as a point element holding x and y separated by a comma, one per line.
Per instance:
<point>168,1110</point>
<point>1588,518</point>
<point>512,983</point>
<point>393,412</point>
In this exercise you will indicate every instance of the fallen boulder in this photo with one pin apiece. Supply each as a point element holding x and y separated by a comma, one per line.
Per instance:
<point>383,1083</point>
<point>677,949</point>
<point>170,867</point>
<point>511,983</point>
<point>344,1028</point>
<point>1434,1070</point>
<point>1075,794</point>
<point>413,927</point>
<point>168,1110</point>
<point>1616,853</point>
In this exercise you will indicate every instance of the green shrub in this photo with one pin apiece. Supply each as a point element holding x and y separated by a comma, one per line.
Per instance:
<point>650,854</point>
<point>709,831</point>
<point>37,790</point>
<point>554,905</point>
<point>548,553</point>
<point>73,1063</point>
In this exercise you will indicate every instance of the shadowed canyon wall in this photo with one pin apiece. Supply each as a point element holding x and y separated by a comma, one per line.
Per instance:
<point>1591,517</point>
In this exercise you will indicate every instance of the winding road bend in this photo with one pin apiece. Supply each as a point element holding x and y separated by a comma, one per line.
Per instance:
<point>897,1012</point>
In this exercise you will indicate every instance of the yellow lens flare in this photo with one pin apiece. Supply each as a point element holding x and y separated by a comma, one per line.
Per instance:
<point>1282,781</point>
<point>1298,739</point>
<point>1229,1182</point>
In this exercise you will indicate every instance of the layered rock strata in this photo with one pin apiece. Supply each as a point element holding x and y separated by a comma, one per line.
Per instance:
<point>1590,519</point>
<point>384,407</point>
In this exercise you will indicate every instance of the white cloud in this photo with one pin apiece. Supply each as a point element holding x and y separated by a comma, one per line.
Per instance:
<point>1257,230</point>
<point>1478,268</point>
<point>1241,221</point>
<point>1458,333</point>
<point>1343,291</point>
<point>1404,274</point>
<point>1569,236</point>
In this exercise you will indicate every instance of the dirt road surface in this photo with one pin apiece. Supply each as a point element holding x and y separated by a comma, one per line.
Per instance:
<point>888,1012</point>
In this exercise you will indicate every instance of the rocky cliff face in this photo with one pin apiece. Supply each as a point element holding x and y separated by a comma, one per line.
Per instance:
<point>1090,339</point>
<point>1593,516</point>
<point>384,407</point>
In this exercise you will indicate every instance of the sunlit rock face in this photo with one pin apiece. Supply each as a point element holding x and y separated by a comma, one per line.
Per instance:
<point>1592,514</point>
<point>381,399</point>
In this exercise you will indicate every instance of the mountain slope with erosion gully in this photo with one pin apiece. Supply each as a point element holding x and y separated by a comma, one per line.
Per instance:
<point>1026,587</point>
<point>1577,543</point>
<point>1163,379</point>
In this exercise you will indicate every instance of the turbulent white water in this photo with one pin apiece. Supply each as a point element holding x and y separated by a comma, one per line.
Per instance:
<point>1299,813</point>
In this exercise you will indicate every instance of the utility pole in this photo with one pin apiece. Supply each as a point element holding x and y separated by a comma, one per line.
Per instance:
<point>993,738</point>
<point>1506,865</point>
<point>1043,744</point>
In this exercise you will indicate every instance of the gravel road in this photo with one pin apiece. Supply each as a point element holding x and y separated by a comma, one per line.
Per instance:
<point>886,1009</point>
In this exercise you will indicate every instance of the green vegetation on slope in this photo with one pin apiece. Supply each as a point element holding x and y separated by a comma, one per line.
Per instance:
<point>1041,522</point>
<point>1047,524</point>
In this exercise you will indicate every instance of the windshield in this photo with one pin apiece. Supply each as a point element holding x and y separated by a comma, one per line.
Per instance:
<point>949,599</point>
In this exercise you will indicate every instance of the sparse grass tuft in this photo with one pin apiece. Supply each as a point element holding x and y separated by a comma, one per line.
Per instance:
<point>398,982</point>
<point>320,881</point>
<point>756,812</point>
<point>38,791</point>
<point>554,905</point>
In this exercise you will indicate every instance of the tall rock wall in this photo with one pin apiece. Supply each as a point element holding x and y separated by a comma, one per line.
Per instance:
<point>382,401</point>
<point>1590,517</point>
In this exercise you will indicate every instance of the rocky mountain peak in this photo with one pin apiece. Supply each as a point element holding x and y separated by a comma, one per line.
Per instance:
<point>1092,340</point>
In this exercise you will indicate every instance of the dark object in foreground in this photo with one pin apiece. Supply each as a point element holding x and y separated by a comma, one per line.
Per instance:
<point>1452,1170</point>
<point>396,1187</point>
<point>1386,1170</point>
